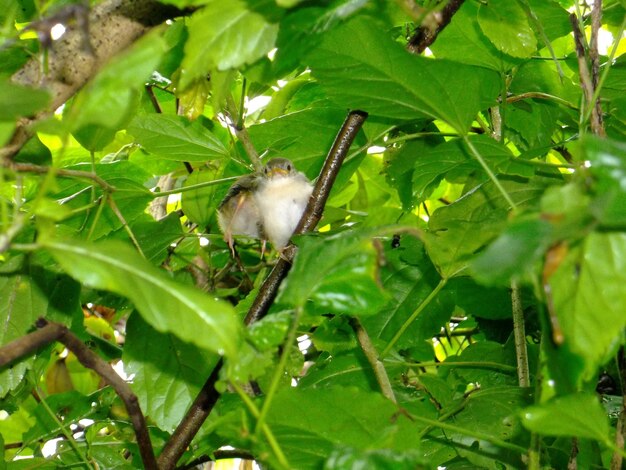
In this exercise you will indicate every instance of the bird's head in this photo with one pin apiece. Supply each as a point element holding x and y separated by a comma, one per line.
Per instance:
<point>278,167</point>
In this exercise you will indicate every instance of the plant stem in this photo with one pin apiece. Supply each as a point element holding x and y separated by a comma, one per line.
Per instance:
<point>372,357</point>
<point>413,316</point>
<point>64,430</point>
<point>474,151</point>
<point>193,187</point>
<point>519,333</point>
<point>466,432</point>
<point>470,365</point>
<point>280,368</point>
<point>269,435</point>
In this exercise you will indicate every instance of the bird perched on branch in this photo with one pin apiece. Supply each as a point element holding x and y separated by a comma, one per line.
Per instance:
<point>266,205</point>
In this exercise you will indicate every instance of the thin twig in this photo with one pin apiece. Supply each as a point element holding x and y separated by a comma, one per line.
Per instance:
<point>127,228</point>
<point>44,170</point>
<point>242,134</point>
<point>208,395</point>
<point>50,332</point>
<point>519,333</point>
<point>372,357</point>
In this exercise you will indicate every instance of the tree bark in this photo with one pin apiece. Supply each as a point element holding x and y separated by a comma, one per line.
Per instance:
<point>78,55</point>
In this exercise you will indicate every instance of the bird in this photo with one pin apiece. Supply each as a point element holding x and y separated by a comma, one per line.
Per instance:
<point>267,205</point>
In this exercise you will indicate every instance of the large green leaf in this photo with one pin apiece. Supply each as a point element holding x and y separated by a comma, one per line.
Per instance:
<point>331,416</point>
<point>579,415</point>
<point>514,253</point>
<point>459,230</point>
<point>462,40</point>
<point>504,22</point>
<point>607,159</point>
<point>225,34</point>
<point>589,299</point>
<point>362,68</point>
<point>176,138</point>
<point>167,306</point>
<point>409,277</point>
<point>453,161</point>
<point>168,373</point>
<point>346,280</point>
<point>21,302</point>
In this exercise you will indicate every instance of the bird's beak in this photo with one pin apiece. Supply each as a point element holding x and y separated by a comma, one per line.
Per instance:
<point>278,171</point>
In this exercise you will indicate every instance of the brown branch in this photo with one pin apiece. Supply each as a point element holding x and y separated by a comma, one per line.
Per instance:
<point>586,81</point>
<point>42,170</point>
<point>372,357</point>
<point>28,344</point>
<point>206,399</point>
<point>594,58</point>
<point>432,25</point>
<point>49,332</point>
<point>113,26</point>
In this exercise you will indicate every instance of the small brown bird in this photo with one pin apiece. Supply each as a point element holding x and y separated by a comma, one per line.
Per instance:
<point>266,205</point>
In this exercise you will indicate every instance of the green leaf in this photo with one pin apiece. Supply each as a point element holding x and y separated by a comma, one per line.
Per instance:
<point>580,415</point>
<point>409,281</point>
<point>554,18</point>
<point>21,303</point>
<point>607,159</point>
<point>462,40</point>
<point>352,65</point>
<point>345,283</point>
<point>106,103</point>
<point>330,416</point>
<point>504,22</point>
<point>453,161</point>
<point>20,101</point>
<point>514,253</point>
<point>384,459</point>
<point>494,410</point>
<point>225,34</point>
<point>479,301</point>
<point>176,138</point>
<point>589,300</point>
<point>168,373</point>
<point>283,137</point>
<point>459,230</point>
<point>167,306</point>
<point>199,205</point>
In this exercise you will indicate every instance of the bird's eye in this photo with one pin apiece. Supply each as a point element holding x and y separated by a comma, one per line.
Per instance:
<point>288,167</point>
<point>266,170</point>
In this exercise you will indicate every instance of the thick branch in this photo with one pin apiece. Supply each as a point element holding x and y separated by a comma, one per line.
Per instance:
<point>430,28</point>
<point>27,345</point>
<point>113,26</point>
<point>206,399</point>
<point>49,332</point>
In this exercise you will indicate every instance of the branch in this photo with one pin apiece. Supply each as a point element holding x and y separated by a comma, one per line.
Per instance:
<point>586,80</point>
<point>49,332</point>
<point>519,332</point>
<point>113,26</point>
<point>372,357</point>
<point>206,399</point>
<point>432,25</point>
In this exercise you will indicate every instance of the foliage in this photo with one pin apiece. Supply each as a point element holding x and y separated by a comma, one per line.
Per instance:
<point>476,177</point>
